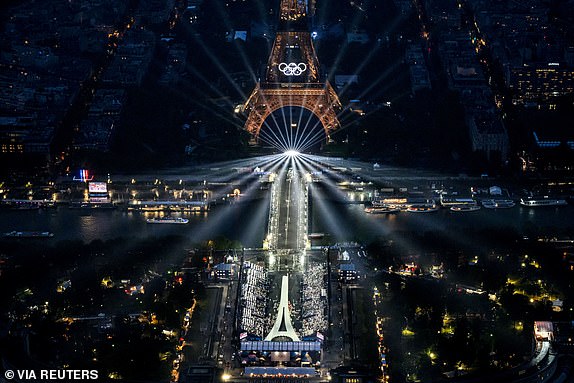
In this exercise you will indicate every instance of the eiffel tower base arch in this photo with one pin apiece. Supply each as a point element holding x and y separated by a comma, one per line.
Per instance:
<point>321,100</point>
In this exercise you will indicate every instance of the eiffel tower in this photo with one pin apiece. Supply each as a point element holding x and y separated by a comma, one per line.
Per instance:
<point>292,75</point>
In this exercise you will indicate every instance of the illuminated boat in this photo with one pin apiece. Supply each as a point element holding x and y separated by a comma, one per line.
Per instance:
<point>463,208</point>
<point>456,201</point>
<point>316,235</point>
<point>176,206</point>
<point>395,202</point>
<point>26,206</point>
<point>92,205</point>
<point>498,204</point>
<point>152,208</point>
<point>173,220</point>
<point>80,205</point>
<point>29,234</point>
<point>382,210</point>
<point>422,208</point>
<point>542,201</point>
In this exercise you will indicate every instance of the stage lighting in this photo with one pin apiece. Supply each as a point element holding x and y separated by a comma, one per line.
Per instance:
<point>291,153</point>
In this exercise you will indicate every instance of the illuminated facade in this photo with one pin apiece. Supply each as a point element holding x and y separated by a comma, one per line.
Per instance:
<point>539,83</point>
<point>12,134</point>
<point>20,135</point>
<point>292,75</point>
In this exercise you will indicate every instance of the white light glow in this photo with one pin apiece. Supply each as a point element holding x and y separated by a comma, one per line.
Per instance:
<point>291,153</point>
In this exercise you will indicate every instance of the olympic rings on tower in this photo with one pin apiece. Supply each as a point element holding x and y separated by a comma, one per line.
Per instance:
<point>292,69</point>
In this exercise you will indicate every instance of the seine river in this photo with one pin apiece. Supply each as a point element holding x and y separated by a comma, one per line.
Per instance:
<point>246,222</point>
<point>350,222</point>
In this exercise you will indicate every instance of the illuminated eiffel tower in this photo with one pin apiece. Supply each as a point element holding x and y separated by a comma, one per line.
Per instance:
<point>292,75</point>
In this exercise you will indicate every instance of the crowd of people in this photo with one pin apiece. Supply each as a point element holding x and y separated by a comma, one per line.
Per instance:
<point>254,295</point>
<point>253,299</point>
<point>314,299</point>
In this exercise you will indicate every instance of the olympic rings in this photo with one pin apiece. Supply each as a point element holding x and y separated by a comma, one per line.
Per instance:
<point>292,69</point>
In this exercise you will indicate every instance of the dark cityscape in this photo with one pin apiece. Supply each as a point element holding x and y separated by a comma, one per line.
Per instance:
<point>287,191</point>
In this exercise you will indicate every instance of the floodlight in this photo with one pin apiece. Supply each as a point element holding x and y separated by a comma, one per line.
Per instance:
<point>291,153</point>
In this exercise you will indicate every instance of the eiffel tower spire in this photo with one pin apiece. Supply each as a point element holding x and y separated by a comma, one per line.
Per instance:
<point>292,13</point>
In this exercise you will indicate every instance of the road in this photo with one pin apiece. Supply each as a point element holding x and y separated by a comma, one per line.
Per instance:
<point>285,256</point>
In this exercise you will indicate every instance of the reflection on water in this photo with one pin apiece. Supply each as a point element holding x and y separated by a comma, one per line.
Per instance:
<point>354,224</point>
<point>246,222</point>
<point>89,225</point>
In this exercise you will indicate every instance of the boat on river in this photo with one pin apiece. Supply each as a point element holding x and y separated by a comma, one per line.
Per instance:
<point>28,234</point>
<point>172,220</point>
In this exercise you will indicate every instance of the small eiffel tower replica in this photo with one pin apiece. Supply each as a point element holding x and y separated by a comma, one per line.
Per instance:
<point>292,75</point>
<point>283,330</point>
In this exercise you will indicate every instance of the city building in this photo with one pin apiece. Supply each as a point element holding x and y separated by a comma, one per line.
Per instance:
<point>539,83</point>
<point>465,74</point>
<point>533,49</point>
<point>198,374</point>
<point>131,61</point>
<point>224,271</point>
<point>487,133</point>
<point>418,71</point>
<point>347,273</point>
<point>95,132</point>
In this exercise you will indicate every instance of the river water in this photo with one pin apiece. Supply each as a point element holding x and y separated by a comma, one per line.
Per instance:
<point>240,221</point>
<point>246,222</point>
